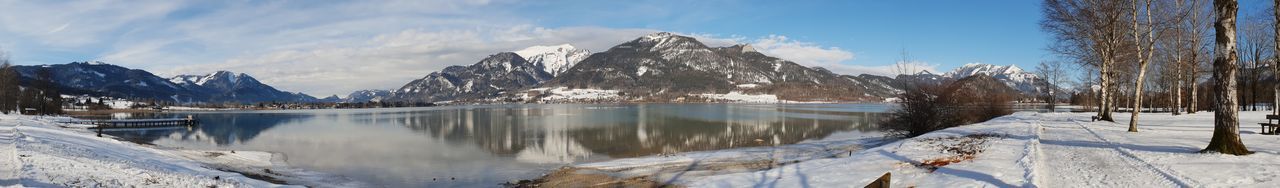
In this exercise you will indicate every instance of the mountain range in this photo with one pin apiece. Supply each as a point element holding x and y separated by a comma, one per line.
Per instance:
<point>666,67</point>
<point>101,79</point>
<point>659,67</point>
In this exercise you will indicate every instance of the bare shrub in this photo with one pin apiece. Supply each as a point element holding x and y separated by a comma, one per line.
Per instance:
<point>928,107</point>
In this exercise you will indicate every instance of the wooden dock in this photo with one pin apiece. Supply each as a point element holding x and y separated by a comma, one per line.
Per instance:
<point>99,125</point>
<point>138,123</point>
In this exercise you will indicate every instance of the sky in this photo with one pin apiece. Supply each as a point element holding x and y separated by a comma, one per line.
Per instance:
<point>327,48</point>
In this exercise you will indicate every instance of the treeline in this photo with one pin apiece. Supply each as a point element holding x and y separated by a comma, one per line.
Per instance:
<point>42,98</point>
<point>1195,54</point>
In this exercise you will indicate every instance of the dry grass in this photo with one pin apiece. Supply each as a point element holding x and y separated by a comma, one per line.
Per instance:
<point>958,149</point>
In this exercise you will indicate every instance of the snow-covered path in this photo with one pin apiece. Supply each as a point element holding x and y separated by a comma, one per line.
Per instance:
<point>1074,155</point>
<point>9,164</point>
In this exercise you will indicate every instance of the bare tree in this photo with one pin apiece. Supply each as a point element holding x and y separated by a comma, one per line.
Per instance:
<point>1090,32</point>
<point>1145,48</point>
<point>8,85</point>
<point>906,65</point>
<point>1181,43</point>
<point>1199,24</point>
<point>1255,48</point>
<point>1054,74</point>
<point>1226,122</point>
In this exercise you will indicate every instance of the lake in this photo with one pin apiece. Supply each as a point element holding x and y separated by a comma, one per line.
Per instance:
<point>483,146</point>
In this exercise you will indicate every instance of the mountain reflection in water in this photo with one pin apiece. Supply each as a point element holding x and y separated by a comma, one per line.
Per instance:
<point>492,144</point>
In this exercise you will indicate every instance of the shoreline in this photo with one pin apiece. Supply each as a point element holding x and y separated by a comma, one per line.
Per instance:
<point>60,154</point>
<point>1025,149</point>
<point>668,170</point>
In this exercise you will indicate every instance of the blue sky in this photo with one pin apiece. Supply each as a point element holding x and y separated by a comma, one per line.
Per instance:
<point>335,47</point>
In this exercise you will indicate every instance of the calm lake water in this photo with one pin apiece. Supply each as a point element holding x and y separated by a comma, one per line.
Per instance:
<point>483,146</point>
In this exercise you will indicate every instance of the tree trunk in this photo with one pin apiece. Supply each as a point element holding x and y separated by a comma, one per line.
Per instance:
<point>1194,102</point>
<point>1143,57</point>
<point>1104,78</point>
<point>1226,123</point>
<point>1275,67</point>
<point>1177,91</point>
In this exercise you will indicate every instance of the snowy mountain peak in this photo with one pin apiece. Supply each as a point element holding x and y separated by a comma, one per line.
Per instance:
<point>219,76</point>
<point>659,35</point>
<point>539,50</point>
<point>971,69</point>
<point>554,59</point>
<point>229,76</point>
<point>503,61</point>
<point>1011,75</point>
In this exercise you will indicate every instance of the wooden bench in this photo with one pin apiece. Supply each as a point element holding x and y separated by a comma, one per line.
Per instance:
<point>1269,127</point>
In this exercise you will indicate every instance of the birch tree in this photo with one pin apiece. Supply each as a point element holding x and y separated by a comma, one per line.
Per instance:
<point>1275,47</point>
<point>1226,122</point>
<point>1090,32</point>
<point>1145,48</point>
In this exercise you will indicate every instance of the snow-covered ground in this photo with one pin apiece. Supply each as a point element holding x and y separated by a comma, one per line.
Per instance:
<point>735,96</point>
<point>38,152</point>
<point>564,94</point>
<point>1025,149</point>
<point>187,108</point>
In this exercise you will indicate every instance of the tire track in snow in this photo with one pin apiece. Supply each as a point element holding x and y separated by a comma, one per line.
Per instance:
<point>1129,156</point>
<point>1070,157</point>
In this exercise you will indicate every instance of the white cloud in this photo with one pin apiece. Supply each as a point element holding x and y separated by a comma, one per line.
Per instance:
<point>801,52</point>
<point>388,61</point>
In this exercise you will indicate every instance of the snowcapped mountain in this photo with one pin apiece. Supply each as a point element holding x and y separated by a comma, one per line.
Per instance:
<point>1011,75</point>
<point>229,86</point>
<point>498,73</point>
<point>372,95</point>
<point>664,67</point>
<point>554,59</point>
<point>670,65</point>
<point>1012,72</point>
<point>101,79</point>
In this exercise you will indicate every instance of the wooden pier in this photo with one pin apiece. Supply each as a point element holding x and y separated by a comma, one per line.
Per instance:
<point>138,123</point>
<point>99,125</point>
